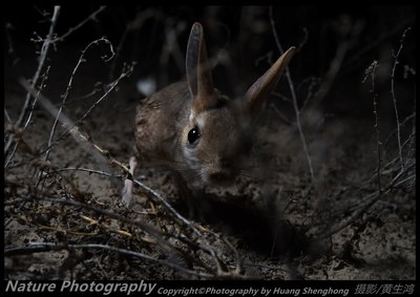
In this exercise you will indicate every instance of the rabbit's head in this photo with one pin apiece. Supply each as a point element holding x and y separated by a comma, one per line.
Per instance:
<point>219,131</point>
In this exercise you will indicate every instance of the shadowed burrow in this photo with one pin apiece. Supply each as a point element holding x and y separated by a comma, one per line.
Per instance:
<point>257,228</point>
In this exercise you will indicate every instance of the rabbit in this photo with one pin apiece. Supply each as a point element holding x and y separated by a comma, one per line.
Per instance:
<point>196,132</point>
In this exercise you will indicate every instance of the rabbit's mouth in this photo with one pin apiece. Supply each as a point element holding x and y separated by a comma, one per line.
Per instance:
<point>221,178</point>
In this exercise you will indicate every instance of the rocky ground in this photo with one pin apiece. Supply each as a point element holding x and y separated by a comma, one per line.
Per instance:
<point>275,220</point>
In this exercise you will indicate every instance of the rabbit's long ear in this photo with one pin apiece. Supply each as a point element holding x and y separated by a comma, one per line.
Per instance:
<point>260,90</point>
<point>199,78</point>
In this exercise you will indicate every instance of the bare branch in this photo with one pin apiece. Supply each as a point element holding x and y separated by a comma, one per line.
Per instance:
<point>295,104</point>
<point>372,70</point>
<point>336,63</point>
<point>72,126</point>
<point>42,57</point>
<point>7,116</point>
<point>352,62</point>
<point>37,247</point>
<point>394,98</point>
<point>88,171</point>
<point>70,83</point>
<point>46,103</point>
<point>92,16</point>
<point>370,200</point>
<point>135,24</point>
<point>28,120</point>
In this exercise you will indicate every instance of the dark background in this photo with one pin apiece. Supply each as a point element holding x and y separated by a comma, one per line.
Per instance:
<point>246,34</point>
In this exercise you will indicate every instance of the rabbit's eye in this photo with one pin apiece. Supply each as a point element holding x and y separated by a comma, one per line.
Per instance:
<point>193,135</point>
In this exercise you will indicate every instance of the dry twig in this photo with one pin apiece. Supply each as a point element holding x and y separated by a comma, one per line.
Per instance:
<point>371,71</point>
<point>394,98</point>
<point>37,247</point>
<point>295,104</point>
<point>92,16</point>
<point>70,83</point>
<point>27,105</point>
<point>155,196</point>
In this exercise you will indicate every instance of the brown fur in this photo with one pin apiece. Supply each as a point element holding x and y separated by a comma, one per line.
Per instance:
<point>164,120</point>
